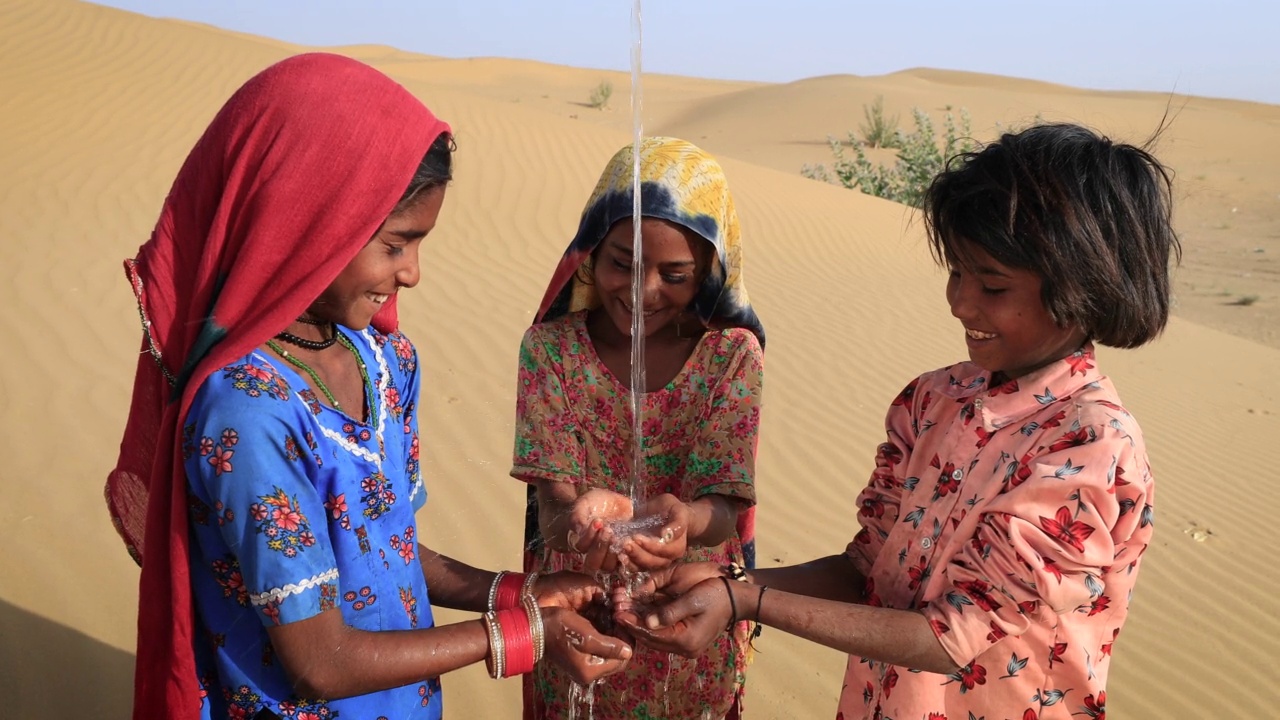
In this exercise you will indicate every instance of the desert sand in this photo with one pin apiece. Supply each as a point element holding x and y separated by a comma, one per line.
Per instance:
<point>98,108</point>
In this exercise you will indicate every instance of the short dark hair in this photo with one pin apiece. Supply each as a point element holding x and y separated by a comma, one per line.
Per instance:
<point>1092,217</point>
<point>435,170</point>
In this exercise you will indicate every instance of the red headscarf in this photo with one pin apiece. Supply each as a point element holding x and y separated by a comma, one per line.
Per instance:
<point>288,183</point>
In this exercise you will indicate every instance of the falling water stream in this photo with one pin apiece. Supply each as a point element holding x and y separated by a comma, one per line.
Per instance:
<point>637,269</point>
<point>586,696</point>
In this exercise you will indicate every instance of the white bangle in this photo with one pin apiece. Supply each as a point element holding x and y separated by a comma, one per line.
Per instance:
<point>493,589</point>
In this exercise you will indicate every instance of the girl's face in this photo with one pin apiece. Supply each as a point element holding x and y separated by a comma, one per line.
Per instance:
<point>387,263</point>
<point>1007,327</point>
<point>675,262</point>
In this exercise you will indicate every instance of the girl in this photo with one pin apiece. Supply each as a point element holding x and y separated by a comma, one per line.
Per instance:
<point>269,472</point>
<point>1003,527</point>
<point>701,413</point>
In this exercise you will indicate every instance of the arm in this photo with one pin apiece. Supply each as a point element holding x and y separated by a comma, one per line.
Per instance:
<point>1063,536</point>
<point>455,584</point>
<point>830,578</point>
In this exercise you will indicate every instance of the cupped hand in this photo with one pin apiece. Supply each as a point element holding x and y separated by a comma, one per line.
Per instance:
<point>569,590</point>
<point>580,649</point>
<point>685,625</point>
<point>590,527</point>
<point>658,547</point>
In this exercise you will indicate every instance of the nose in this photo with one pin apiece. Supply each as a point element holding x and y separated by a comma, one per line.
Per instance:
<point>409,272</point>
<point>959,298</point>
<point>652,287</point>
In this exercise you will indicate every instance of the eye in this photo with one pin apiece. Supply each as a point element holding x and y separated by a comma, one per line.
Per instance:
<point>992,291</point>
<point>675,278</point>
<point>621,265</point>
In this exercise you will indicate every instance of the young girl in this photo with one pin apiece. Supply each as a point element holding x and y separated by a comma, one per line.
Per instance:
<point>1003,527</point>
<point>701,412</point>
<point>269,472</point>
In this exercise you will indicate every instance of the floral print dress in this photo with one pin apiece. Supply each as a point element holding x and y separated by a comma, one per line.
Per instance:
<point>297,508</point>
<point>573,425</point>
<point>1014,517</point>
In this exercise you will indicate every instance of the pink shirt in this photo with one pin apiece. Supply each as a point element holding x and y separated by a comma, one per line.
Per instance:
<point>1014,517</point>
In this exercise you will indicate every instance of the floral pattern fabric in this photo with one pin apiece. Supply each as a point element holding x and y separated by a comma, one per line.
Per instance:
<point>1015,518</point>
<point>573,425</point>
<point>297,508</point>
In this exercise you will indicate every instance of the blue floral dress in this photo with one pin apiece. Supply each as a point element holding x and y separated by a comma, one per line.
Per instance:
<point>295,509</point>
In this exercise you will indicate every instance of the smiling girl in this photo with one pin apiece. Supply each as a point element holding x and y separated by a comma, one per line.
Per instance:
<point>1011,502</point>
<point>701,410</point>
<point>270,470</point>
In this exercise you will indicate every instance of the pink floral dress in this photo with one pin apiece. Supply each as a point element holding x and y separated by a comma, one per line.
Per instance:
<point>573,425</point>
<point>1014,517</point>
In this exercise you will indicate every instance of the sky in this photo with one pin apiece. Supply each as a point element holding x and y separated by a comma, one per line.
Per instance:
<point>1225,48</point>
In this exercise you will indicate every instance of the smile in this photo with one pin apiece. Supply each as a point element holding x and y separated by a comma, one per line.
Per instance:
<point>379,299</point>
<point>978,334</point>
<point>647,313</point>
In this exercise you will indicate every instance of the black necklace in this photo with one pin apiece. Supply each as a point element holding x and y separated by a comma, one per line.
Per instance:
<point>311,344</point>
<point>313,321</point>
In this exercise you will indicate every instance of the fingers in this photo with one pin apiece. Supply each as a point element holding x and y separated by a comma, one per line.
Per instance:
<point>584,652</point>
<point>648,552</point>
<point>599,556</point>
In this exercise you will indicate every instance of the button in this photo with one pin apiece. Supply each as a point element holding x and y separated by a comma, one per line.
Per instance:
<point>957,474</point>
<point>926,543</point>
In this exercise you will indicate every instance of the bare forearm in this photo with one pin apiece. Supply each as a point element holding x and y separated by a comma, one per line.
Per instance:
<point>356,662</point>
<point>554,523</point>
<point>899,637</point>
<point>713,519</point>
<point>830,578</point>
<point>455,584</point>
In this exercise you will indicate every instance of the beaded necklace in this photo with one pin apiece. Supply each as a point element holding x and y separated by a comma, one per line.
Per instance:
<point>364,374</point>
<point>311,344</point>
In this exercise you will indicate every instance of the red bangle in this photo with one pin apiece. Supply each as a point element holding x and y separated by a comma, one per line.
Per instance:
<point>517,640</point>
<point>509,591</point>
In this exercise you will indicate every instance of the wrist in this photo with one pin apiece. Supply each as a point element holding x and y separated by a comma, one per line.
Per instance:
<point>700,516</point>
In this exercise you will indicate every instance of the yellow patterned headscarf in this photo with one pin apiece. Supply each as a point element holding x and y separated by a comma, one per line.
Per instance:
<point>679,183</point>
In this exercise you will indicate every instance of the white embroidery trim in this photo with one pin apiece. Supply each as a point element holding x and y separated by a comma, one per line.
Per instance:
<point>279,594</point>
<point>384,379</point>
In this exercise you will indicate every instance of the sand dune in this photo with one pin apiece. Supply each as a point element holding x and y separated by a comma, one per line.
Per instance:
<point>98,108</point>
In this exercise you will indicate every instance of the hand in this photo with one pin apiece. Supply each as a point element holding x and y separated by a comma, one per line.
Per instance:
<point>583,651</point>
<point>590,530</point>
<point>656,548</point>
<point>568,590</point>
<point>669,582</point>
<point>685,625</point>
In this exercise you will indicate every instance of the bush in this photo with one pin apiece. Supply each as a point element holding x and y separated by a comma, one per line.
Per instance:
<point>879,131</point>
<point>919,159</point>
<point>599,97</point>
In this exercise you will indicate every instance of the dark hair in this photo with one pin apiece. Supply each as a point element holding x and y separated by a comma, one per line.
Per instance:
<point>435,170</point>
<point>1091,217</point>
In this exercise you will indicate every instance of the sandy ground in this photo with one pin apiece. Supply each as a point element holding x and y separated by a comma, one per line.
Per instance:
<point>99,107</point>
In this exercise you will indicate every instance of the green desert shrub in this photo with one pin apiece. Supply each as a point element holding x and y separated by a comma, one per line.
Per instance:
<point>920,156</point>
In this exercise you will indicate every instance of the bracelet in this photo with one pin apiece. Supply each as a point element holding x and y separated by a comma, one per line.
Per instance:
<point>733,605</point>
<point>536,627</point>
<point>517,640</point>
<point>735,571</point>
<point>508,591</point>
<point>493,590</point>
<point>526,589</point>
<point>494,663</point>
<point>760,602</point>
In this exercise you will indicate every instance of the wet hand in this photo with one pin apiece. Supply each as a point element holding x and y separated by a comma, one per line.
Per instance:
<point>590,531</point>
<point>568,590</point>
<point>581,649</point>
<point>685,625</point>
<point>656,548</point>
